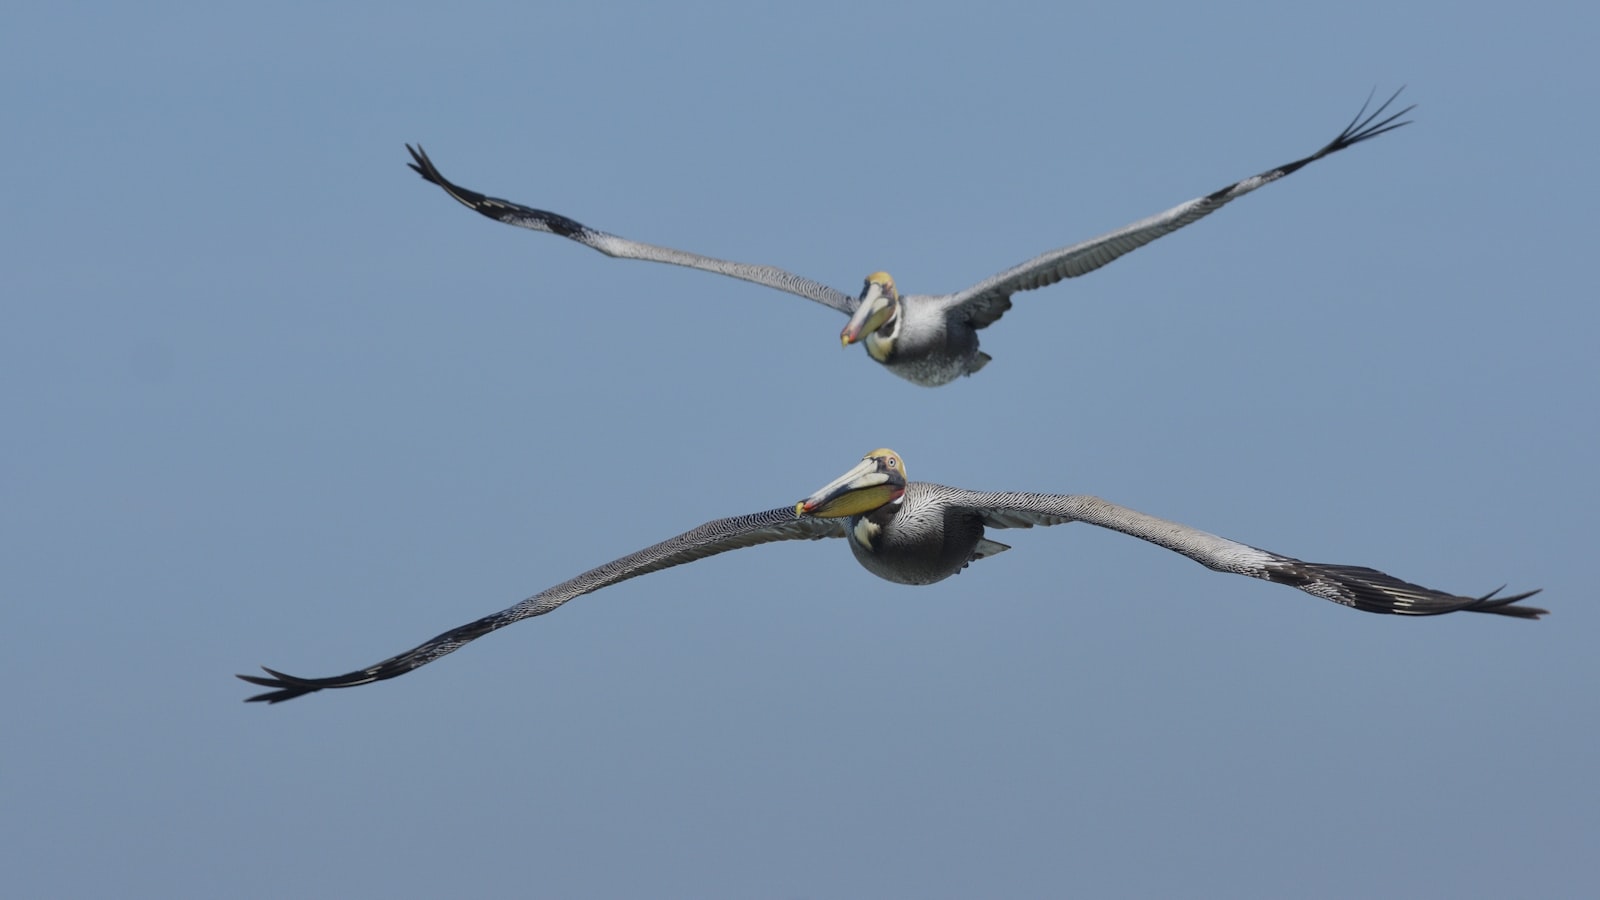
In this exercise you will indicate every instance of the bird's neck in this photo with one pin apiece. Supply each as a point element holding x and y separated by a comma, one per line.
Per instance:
<point>868,528</point>
<point>880,343</point>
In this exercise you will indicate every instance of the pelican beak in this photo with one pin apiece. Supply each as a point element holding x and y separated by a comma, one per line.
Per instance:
<point>877,306</point>
<point>861,490</point>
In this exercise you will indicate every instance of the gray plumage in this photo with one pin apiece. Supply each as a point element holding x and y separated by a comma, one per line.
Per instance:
<point>922,533</point>
<point>929,339</point>
<point>718,536</point>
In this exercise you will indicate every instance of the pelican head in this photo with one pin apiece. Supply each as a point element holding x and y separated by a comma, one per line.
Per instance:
<point>878,480</point>
<point>879,305</point>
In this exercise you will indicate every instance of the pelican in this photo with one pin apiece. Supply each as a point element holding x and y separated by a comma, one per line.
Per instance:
<point>928,339</point>
<point>912,532</point>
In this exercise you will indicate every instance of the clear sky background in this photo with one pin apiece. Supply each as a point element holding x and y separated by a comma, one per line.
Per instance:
<point>271,399</point>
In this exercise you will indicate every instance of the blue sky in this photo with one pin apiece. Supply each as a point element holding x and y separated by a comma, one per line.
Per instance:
<point>274,400</point>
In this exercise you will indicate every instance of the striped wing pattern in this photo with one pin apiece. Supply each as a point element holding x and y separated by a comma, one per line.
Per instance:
<point>713,537</point>
<point>622,248</point>
<point>985,302</point>
<point>1360,587</point>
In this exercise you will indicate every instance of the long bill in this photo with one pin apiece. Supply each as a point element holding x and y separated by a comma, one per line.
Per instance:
<point>877,306</point>
<point>860,490</point>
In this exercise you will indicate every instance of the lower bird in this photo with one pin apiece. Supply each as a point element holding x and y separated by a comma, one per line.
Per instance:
<point>914,532</point>
<point>928,339</point>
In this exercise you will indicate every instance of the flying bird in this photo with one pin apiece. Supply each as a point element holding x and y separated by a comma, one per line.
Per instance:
<point>924,338</point>
<point>913,532</point>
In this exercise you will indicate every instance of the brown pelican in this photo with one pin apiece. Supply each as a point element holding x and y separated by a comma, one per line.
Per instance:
<point>919,533</point>
<point>928,339</point>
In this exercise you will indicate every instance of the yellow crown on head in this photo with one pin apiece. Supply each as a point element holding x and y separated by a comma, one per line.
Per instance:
<point>889,457</point>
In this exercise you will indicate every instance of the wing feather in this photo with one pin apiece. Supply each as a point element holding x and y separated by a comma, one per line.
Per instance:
<point>623,248</point>
<point>713,537</point>
<point>1356,586</point>
<point>987,301</point>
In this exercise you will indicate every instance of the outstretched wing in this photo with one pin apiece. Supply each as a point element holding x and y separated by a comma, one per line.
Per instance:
<point>987,301</point>
<point>709,539</point>
<point>622,248</point>
<point>1358,586</point>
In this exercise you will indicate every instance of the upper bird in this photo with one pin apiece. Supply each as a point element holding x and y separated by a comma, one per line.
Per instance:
<point>928,339</point>
<point>919,533</point>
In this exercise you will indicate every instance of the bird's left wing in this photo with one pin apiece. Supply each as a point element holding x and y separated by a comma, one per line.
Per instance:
<point>1358,586</point>
<point>987,301</point>
<point>623,248</point>
<point>714,537</point>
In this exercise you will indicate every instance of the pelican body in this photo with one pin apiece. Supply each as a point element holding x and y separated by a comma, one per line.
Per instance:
<point>926,339</point>
<point>918,533</point>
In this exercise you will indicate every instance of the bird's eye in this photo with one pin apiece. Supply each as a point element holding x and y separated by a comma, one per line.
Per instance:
<point>892,462</point>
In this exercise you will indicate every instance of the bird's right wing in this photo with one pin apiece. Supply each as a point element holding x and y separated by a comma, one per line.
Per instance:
<point>709,539</point>
<point>622,248</point>
<point>1357,586</point>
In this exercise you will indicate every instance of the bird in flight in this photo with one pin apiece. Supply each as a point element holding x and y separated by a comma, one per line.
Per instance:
<point>913,532</point>
<point>925,338</point>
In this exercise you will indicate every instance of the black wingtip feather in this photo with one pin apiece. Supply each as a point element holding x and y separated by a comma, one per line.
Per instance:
<point>495,208</point>
<point>1503,606</point>
<point>1362,129</point>
<point>285,687</point>
<point>421,164</point>
<point>1371,590</point>
<point>424,166</point>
